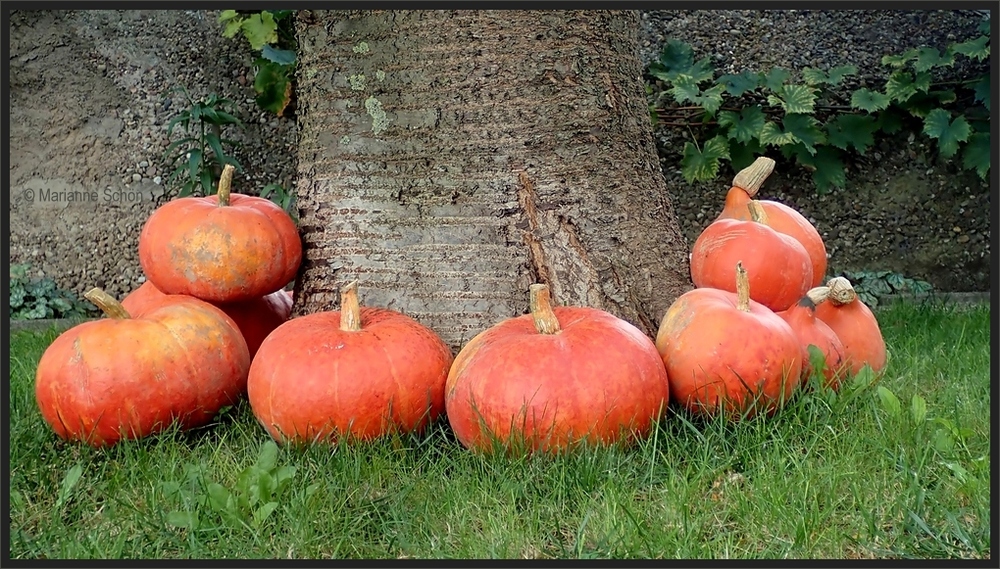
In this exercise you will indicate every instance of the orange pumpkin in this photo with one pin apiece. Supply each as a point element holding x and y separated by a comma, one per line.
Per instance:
<point>778,265</point>
<point>727,353</point>
<point>781,217</point>
<point>221,248</point>
<point>554,378</point>
<point>133,375</point>
<point>357,373</point>
<point>810,330</point>
<point>256,318</point>
<point>855,325</point>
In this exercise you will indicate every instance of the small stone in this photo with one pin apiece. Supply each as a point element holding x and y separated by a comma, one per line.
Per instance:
<point>136,177</point>
<point>956,229</point>
<point>144,164</point>
<point>963,239</point>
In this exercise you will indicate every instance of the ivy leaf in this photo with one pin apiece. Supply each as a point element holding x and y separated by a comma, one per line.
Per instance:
<point>900,86</point>
<point>676,55</point>
<point>922,82</point>
<point>984,26</point>
<point>745,126</point>
<point>687,90</point>
<point>797,99</point>
<point>852,130</point>
<point>982,91</point>
<point>742,155</point>
<point>922,103</point>
<point>938,125</point>
<point>233,23</point>
<point>703,165</point>
<point>828,168</point>
<point>889,122</point>
<point>928,58</point>
<point>772,135</point>
<point>976,49</point>
<point>838,74</point>
<point>273,88</point>
<point>677,61</point>
<point>737,85</point>
<point>869,101</point>
<point>775,78</point>
<point>279,56</point>
<point>711,99</point>
<point>813,76</point>
<point>976,155</point>
<point>901,59</point>
<point>805,129</point>
<point>260,29</point>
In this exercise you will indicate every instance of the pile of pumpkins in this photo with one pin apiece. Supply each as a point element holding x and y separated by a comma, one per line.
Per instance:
<point>212,324</point>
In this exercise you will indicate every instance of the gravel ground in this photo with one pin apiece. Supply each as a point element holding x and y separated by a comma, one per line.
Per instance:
<point>901,210</point>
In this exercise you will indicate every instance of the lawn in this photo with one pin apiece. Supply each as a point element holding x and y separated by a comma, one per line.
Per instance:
<point>899,469</point>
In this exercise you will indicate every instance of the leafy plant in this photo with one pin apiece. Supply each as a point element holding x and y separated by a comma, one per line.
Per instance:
<point>270,33</point>
<point>739,116</point>
<point>38,298</point>
<point>199,156</point>
<point>257,493</point>
<point>282,197</point>
<point>873,285</point>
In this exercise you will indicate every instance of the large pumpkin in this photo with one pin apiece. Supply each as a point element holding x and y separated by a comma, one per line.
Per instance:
<point>553,378</point>
<point>812,331</point>
<point>220,248</point>
<point>256,318</point>
<point>357,373</point>
<point>725,352</point>
<point>781,217</point>
<point>133,375</point>
<point>855,325</point>
<point>778,265</point>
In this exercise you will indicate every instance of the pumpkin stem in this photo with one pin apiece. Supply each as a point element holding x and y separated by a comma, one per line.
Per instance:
<point>541,309</point>
<point>818,294</point>
<point>841,291</point>
<point>107,303</point>
<point>224,183</point>
<point>742,288</point>
<point>757,212</point>
<point>350,308</point>
<point>751,178</point>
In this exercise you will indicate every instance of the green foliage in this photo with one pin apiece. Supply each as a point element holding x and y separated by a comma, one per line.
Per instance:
<point>739,115</point>
<point>271,33</point>
<point>198,157</point>
<point>257,493</point>
<point>873,285</point>
<point>40,298</point>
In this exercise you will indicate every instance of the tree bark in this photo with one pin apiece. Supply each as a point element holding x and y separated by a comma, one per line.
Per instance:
<point>450,159</point>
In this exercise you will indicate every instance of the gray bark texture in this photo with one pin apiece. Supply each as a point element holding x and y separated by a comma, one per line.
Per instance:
<point>450,159</point>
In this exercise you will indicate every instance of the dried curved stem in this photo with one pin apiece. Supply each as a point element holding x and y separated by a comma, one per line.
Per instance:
<point>350,308</point>
<point>225,182</point>
<point>540,303</point>
<point>107,303</point>
<point>841,291</point>
<point>757,212</point>
<point>751,178</point>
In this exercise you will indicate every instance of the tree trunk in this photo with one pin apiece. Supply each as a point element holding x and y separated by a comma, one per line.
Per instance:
<point>449,159</point>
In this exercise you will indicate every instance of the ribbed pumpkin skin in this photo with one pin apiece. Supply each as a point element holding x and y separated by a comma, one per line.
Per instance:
<point>710,349</point>
<point>810,330</point>
<point>233,253</point>
<point>778,266</point>
<point>107,380</point>
<point>598,380</point>
<point>312,381</point>
<point>786,220</point>
<point>256,318</point>
<point>859,332</point>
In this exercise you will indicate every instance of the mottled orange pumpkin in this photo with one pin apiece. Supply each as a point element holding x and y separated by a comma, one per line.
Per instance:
<point>357,373</point>
<point>812,331</point>
<point>554,378</point>
<point>778,265</point>
<point>133,375</point>
<point>727,353</point>
<point>220,248</point>
<point>256,318</point>
<point>855,325</point>
<point>781,218</point>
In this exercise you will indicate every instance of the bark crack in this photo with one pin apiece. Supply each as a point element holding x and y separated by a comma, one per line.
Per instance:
<point>527,197</point>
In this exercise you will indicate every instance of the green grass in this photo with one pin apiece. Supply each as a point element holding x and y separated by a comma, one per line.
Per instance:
<point>831,476</point>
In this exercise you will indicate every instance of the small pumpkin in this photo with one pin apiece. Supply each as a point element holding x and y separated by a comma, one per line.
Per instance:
<point>226,247</point>
<point>255,318</point>
<point>855,325</point>
<point>779,268</point>
<point>810,330</point>
<point>357,373</point>
<point>725,352</point>
<point>781,218</point>
<point>554,378</point>
<point>133,375</point>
